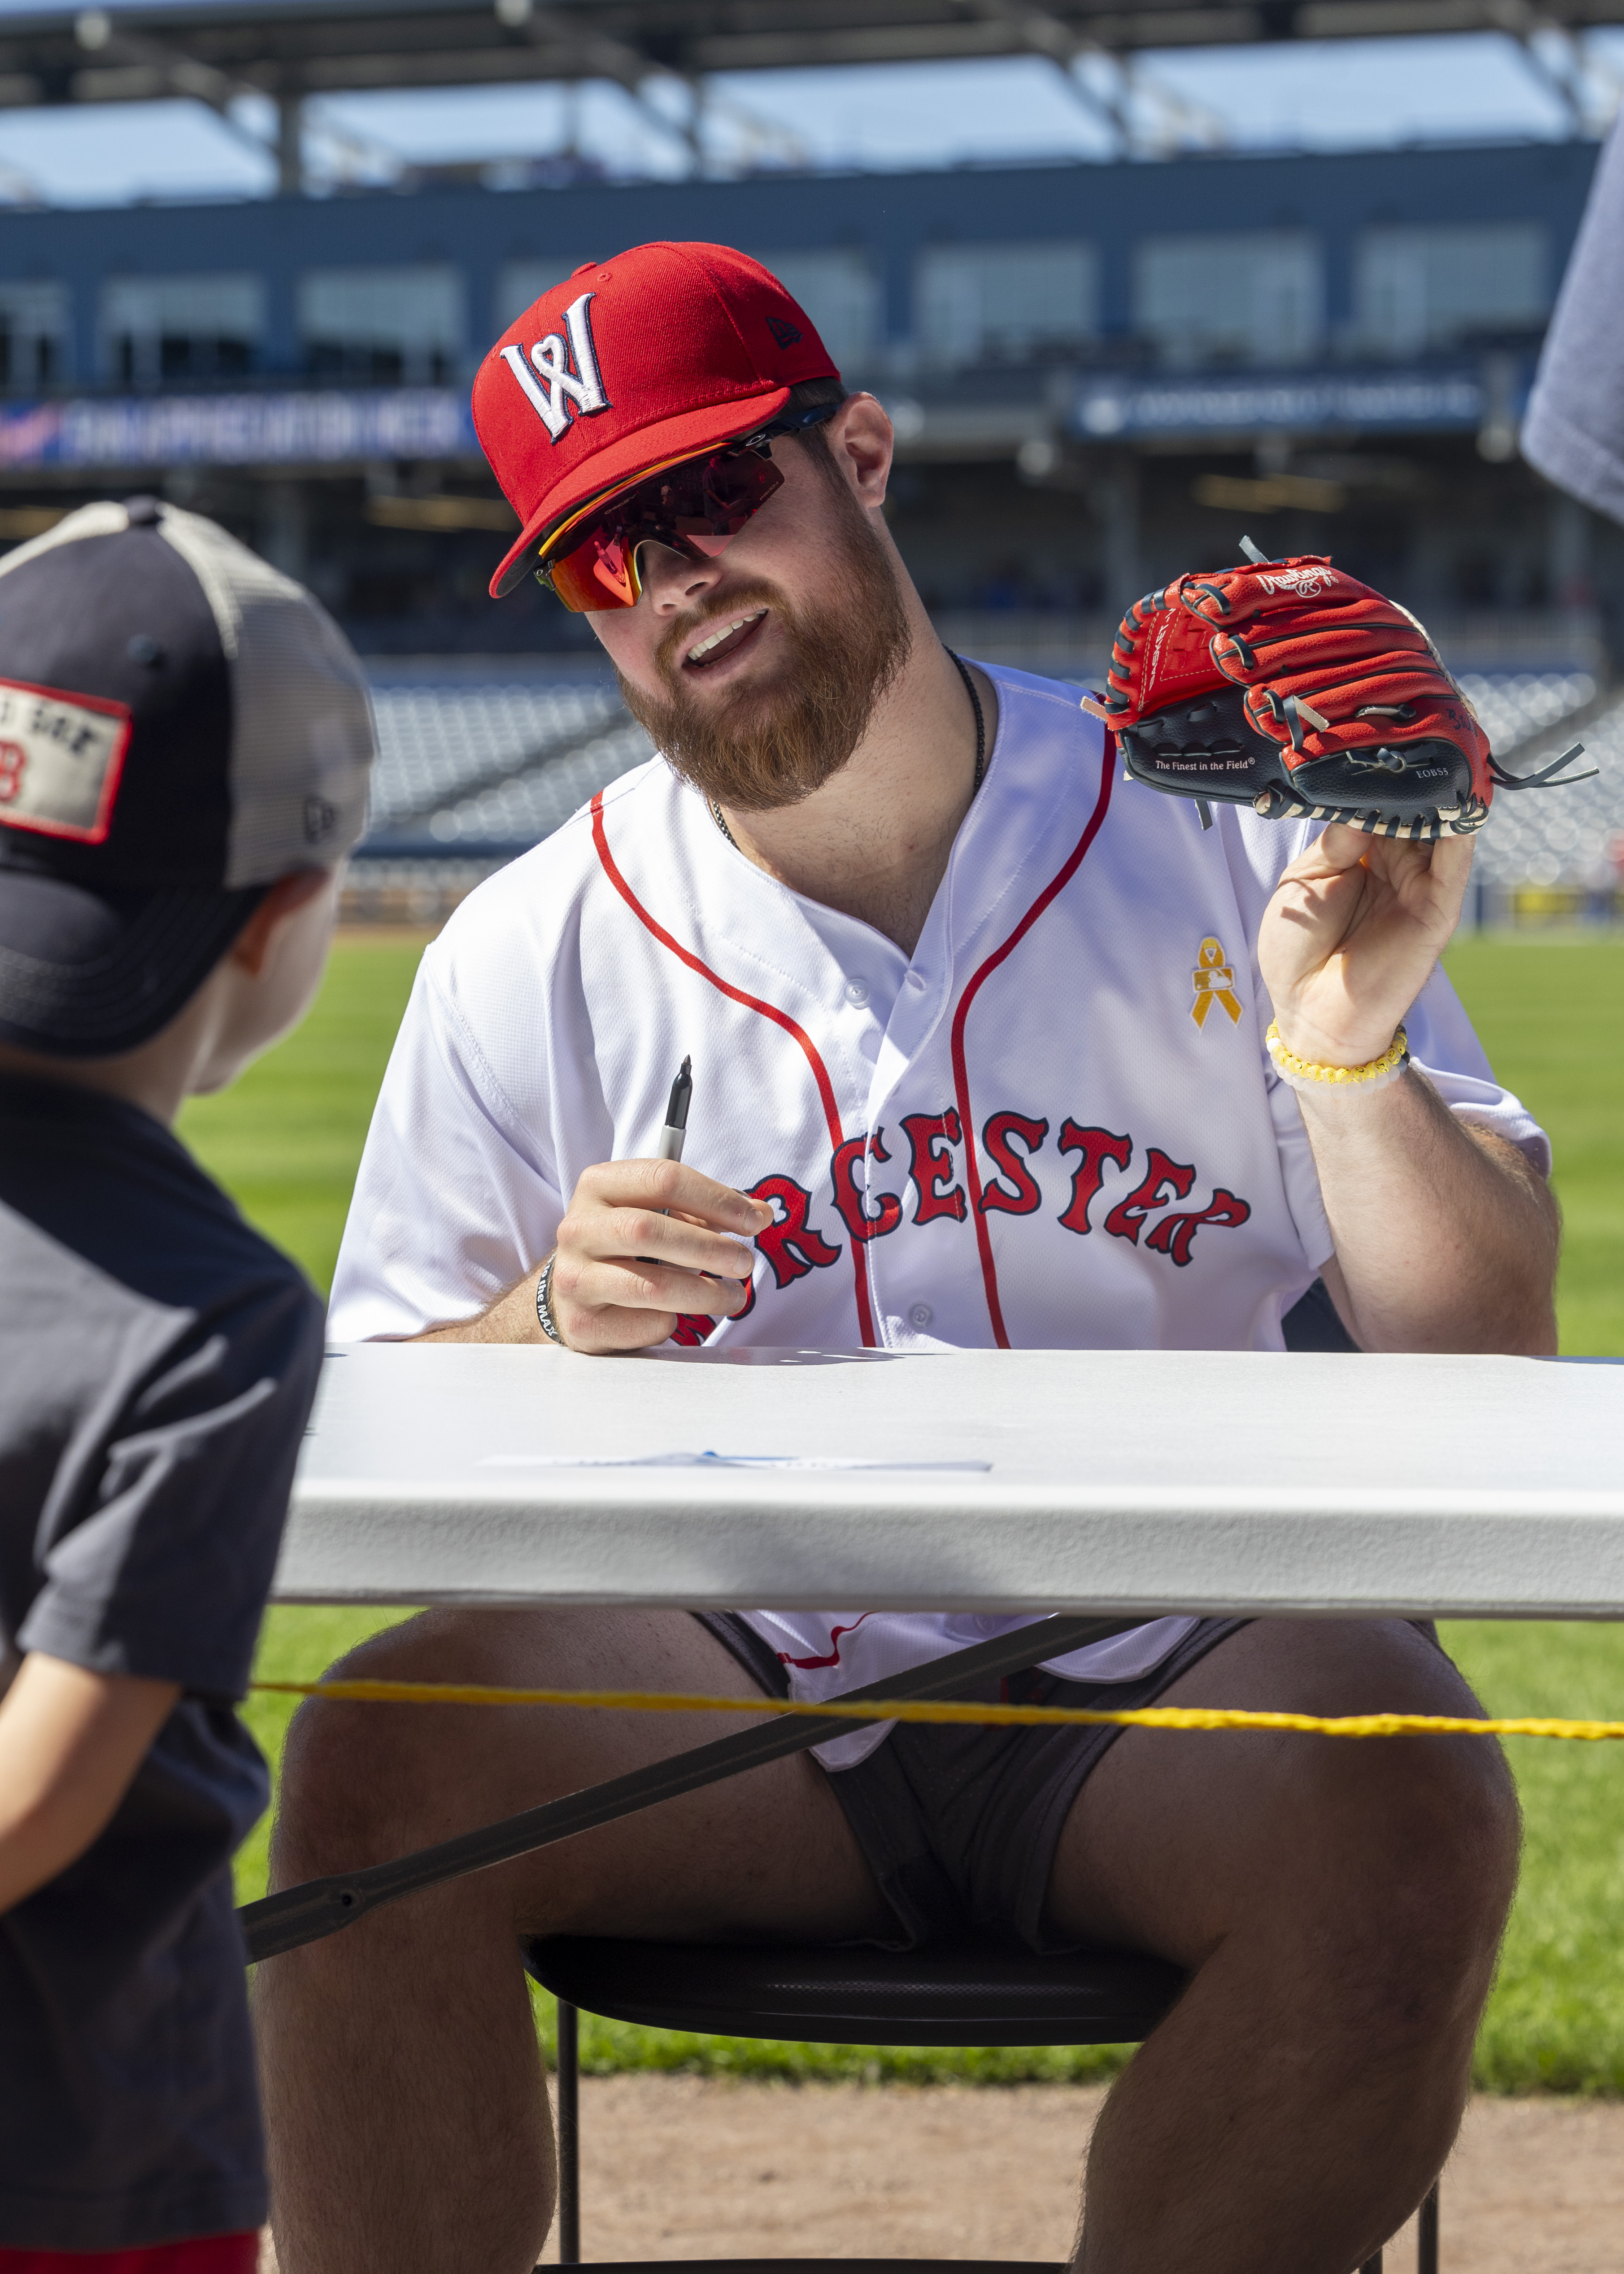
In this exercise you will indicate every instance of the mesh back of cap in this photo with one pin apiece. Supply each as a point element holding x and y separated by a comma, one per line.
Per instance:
<point>303,740</point>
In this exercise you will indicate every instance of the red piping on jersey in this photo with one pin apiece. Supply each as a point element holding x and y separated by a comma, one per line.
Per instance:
<point>961,1079</point>
<point>809,1665</point>
<point>820,1074</point>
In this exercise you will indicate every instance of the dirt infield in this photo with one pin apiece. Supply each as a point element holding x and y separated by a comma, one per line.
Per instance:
<point>677,2167</point>
<point>682,2167</point>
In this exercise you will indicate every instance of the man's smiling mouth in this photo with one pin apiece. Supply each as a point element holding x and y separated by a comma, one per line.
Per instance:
<point>723,639</point>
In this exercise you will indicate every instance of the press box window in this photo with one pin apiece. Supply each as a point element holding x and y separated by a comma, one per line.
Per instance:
<point>34,323</point>
<point>1021,302</point>
<point>1250,297</point>
<point>839,291</point>
<point>386,327</point>
<point>1416,288</point>
<point>159,328</point>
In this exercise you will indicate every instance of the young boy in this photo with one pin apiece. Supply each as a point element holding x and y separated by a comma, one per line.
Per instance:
<point>185,743</point>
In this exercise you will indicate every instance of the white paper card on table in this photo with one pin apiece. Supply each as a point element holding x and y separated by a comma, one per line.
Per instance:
<point>709,1460</point>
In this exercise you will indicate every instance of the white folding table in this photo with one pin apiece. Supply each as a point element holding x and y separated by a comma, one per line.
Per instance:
<point>1109,1482</point>
<point>1104,1481</point>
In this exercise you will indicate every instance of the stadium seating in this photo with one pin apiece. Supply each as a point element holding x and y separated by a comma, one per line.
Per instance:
<point>439,742</point>
<point>1515,705</point>
<point>527,806</point>
<point>482,762</point>
<point>1555,836</point>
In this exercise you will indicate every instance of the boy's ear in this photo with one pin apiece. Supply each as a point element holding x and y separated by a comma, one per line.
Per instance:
<point>284,899</point>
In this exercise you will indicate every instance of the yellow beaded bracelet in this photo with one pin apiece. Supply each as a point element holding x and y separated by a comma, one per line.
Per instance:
<point>1304,1074</point>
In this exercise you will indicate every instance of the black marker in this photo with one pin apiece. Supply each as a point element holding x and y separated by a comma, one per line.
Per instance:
<point>670,1145</point>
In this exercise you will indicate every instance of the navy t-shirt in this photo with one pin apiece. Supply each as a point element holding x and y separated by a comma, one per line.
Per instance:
<point>158,1359</point>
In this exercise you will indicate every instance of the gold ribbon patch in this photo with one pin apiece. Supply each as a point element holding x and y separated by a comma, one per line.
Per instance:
<point>1215,982</point>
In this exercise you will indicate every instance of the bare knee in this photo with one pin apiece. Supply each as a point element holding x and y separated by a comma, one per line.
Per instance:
<point>365,1781</point>
<point>362,1780</point>
<point>1439,1818</point>
<point>345,1798</point>
<point>1417,1846</point>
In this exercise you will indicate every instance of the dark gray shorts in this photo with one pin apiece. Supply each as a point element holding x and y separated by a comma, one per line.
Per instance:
<point>959,1825</point>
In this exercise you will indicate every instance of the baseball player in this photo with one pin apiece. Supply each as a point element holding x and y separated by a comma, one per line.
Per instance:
<point>990,1046</point>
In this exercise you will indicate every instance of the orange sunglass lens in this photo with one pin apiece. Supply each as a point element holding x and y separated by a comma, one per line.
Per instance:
<point>599,570</point>
<point>594,576</point>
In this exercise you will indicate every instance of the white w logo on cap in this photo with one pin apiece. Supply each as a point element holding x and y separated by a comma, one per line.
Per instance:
<point>552,381</point>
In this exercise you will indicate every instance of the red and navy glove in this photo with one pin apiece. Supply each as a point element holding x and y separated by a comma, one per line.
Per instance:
<point>1289,687</point>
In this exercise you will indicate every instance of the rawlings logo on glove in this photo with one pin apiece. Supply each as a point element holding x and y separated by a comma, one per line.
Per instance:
<point>1305,582</point>
<point>1291,688</point>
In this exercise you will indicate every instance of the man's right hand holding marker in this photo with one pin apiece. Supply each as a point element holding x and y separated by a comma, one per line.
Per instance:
<point>641,1243</point>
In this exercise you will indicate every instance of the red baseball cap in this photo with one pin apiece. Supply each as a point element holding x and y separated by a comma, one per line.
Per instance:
<point>653,354</point>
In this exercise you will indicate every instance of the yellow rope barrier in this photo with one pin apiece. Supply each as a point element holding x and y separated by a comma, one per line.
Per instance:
<point>1144,1717</point>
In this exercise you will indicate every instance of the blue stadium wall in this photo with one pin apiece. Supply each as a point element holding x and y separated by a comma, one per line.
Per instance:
<point>892,215</point>
<point>328,483</point>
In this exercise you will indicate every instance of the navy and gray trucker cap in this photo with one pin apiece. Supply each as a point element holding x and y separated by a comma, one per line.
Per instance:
<point>180,724</point>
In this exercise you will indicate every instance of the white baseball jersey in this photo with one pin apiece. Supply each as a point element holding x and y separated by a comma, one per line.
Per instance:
<point>1054,1126</point>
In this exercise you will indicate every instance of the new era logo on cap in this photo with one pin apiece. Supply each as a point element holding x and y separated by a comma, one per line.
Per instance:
<point>660,352</point>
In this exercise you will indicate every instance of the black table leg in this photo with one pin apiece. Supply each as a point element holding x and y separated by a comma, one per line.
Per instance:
<point>568,2135</point>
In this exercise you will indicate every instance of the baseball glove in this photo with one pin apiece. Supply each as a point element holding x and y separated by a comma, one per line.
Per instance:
<point>1287,686</point>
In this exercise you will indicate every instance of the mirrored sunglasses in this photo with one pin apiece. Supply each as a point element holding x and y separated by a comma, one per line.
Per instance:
<point>697,506</point>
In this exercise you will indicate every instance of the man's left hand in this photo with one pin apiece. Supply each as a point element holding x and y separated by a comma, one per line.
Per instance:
<point>1352,936</point>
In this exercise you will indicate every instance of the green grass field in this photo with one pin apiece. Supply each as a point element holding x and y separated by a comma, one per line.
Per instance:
<point>1551,1013</point>
<point>286,1142</point>
<point>287,1139</point>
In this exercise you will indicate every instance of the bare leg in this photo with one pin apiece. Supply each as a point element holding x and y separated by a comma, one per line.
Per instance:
<point>1341,1904</point>
<point>404,2096</point>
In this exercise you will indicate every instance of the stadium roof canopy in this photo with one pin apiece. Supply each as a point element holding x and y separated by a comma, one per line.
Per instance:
<point>216,52</point>
<point>124,53</point>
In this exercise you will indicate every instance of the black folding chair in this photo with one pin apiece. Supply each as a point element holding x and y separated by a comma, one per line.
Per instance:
<point>846,1997</point>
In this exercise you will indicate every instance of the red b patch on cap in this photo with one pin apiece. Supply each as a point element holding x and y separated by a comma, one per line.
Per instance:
<point>61,756</point>
<point>661,352</point>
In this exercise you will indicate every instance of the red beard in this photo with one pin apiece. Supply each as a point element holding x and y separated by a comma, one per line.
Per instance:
<point>772,742</point>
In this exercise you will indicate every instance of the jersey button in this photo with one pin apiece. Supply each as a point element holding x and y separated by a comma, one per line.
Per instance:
<point>916,981</point>
<point>857,991</point>
<point>921,1315</point>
